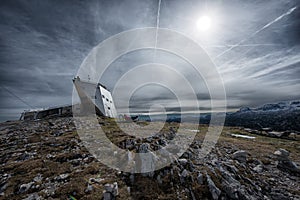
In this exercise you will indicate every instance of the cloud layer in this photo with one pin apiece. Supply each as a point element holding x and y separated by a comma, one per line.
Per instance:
<point>43,43</point>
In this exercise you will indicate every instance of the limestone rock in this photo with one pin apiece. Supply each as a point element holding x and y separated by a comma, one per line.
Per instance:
<point>215,192</point>
<point>285,164</point>
<point>200,178</point>
<point>25,187</point>
<point>110,191</point>
<point>240,156</point>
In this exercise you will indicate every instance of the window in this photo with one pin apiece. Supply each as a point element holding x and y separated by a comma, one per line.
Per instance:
<point>106,99</point>
<point>108,108</point>
<point>103,96</point>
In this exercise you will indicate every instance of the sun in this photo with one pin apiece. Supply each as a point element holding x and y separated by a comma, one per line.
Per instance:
<point>204,23</point>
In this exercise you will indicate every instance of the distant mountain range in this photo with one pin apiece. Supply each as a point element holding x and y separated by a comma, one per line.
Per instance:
<point>278,116</point>
<point>281,116</point>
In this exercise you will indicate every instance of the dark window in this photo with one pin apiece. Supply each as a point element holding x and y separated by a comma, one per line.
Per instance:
<point>108,108</point>
<point>110,101</point>
<point>103,96</point>
<point>106,99</point>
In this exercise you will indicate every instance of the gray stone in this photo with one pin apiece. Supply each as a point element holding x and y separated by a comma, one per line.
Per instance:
<point>258,168</point>
<point>158,178</point>
<point>240,156</point>
<point>215,192</point>
<point>147,163</point>
<point>285,164</point>
<point>111,189</point>
<point>33,196</point>
<point>282,153</point>
<point>116,189</point>
<point>184,173</point>
<point>183,176</point>
<point>62,177</point>
<point>89,189</point>
<point>183,161</point>
<point>95,180</point>
<point>108,196</point>
<point>144,148</point>
<point>200,178</point>
<point>131,178</point>
<point>3,187</point>
<point>38,178</point>
<point>25,187</point>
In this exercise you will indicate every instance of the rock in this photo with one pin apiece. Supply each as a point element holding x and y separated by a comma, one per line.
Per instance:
<point>258,168</point>
<point>116,189</point>
<point>293,135</point>
<point>158,178</point>
<point>285,164</point>
<point>89,189</point>
<point>182,161</point>
<point>215,192</point>
<point>25,187</point>
<point>162,142</point>
<point>62,177</point>
<point>144,148</point>
<point>200,178</point>
<point>282,153</point>
<point>3,187</point>
<point>108,196</point>
<point>58,133</point>
<point>128,189</point>
<point>240,156</point>
<point>95,180</point>
<point>183,176</point>
<point>192,194</point>
<point>111,191</point>
<point>38,178</point>
<point>184,173</point>
<point>278,196</point>
<point>146,160</point>
<point>289,166</point>
<point>33,196</point>
<point>130,144</point>
<point>187,155</point>
<point>131,178</point>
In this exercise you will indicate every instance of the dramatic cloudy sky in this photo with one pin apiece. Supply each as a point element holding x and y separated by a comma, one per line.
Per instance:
<point>254,44</point>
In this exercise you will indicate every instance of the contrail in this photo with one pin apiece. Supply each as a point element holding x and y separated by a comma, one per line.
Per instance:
<point>157,22</point>
<point>157,26</point>
<point>243,45</point>
<point>259,30</point>
<point>10,92</point>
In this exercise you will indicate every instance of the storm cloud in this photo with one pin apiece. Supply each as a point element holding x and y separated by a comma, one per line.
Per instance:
<point>255,46</point>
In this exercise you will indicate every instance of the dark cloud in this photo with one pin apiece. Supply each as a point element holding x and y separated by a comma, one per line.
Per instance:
<point>42,44</point>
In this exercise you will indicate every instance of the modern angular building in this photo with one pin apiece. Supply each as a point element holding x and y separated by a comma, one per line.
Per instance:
<point>95,97</point>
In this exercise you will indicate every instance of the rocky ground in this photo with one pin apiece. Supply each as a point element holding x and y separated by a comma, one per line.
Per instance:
<point>46,159</point>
